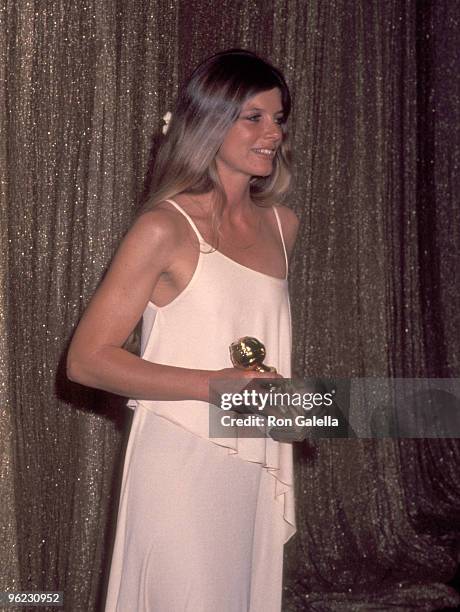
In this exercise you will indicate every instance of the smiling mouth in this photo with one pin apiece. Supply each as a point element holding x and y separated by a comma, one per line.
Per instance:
<point>266,153</point>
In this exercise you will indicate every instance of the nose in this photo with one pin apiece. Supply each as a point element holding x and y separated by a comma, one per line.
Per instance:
<point>274,131</point>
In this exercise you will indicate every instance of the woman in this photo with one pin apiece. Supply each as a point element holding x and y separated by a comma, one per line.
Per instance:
<point>202,521</point>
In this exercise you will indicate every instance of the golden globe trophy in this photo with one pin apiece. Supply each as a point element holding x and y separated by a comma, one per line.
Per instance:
<point>248,353</point>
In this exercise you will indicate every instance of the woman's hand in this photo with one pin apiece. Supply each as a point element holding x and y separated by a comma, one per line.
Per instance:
<point>239,374</point>
<point>238,381</point>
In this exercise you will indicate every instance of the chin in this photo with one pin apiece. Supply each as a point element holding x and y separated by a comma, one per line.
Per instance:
<point>261,174</point>
<point>264,171</point>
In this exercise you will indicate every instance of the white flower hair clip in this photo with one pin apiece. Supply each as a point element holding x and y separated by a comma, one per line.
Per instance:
<point>166,119</point>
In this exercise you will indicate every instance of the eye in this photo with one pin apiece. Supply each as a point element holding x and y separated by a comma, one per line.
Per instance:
<point>257,117</point>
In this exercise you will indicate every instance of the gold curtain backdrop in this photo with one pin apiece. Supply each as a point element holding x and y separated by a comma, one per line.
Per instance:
<point>375,276</point>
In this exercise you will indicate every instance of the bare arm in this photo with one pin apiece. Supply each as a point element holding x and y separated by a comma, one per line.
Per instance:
<point>96,357</point>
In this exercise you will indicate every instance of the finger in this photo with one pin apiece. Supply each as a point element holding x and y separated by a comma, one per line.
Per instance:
<point>268,375</point>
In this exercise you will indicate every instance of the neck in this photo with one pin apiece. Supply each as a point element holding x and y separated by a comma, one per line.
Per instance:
<point>237,192</point>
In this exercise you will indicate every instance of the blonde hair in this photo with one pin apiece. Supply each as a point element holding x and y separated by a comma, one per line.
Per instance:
<point>210,103</point>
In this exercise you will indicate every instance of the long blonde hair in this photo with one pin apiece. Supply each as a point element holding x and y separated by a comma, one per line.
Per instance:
<point>210,103</point>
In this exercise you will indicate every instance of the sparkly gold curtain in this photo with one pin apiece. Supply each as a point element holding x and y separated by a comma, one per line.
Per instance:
<point>375,288</point>
<point>87,83</point>
<point>376,292</point>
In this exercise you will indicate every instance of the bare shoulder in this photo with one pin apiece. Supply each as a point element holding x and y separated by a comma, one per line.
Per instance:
<point>290,225</point>
<point>146,252</point>
<point>160,223</point>
<point>288,217</point>
<point>155,231</point>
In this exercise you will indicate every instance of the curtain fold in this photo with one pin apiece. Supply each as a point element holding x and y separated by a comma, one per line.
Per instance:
<point>87,84</point>
<point>375,276</point>
<point>9,573</point>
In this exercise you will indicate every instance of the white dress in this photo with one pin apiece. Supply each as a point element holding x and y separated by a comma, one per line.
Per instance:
<point>202,521</point>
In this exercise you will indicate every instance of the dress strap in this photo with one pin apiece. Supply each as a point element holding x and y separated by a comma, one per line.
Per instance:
<point>189,219</point>
<point>282,239</point>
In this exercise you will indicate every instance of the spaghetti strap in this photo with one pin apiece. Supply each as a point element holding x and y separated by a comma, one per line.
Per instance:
<point>282,239</point>
<point>189,219</point>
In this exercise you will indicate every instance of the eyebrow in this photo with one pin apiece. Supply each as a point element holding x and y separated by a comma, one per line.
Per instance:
<point>261,109</point>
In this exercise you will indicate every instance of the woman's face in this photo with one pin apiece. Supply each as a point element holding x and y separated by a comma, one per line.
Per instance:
<point>250,145</point>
